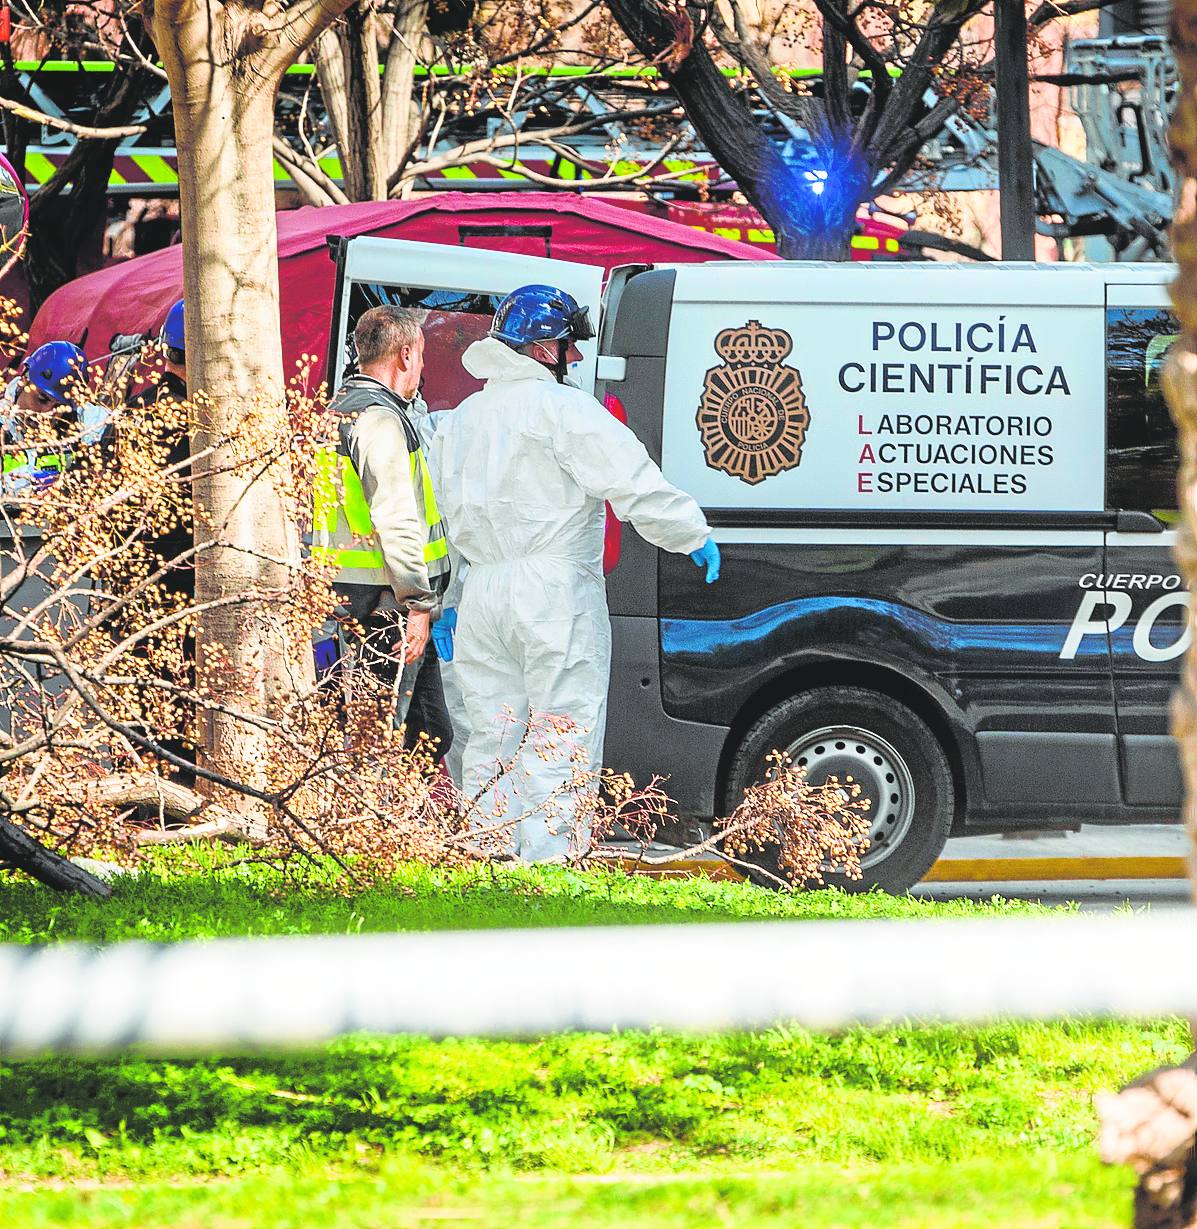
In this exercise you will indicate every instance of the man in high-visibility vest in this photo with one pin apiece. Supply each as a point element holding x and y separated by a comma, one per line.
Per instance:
<point>375,514</point>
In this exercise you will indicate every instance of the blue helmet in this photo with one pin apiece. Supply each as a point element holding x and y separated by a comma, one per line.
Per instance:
<point>540,313</point>
<point>173,333</point>
<point>55,368</point>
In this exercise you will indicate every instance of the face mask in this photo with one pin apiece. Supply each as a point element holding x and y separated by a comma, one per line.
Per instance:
<point>572,376</point>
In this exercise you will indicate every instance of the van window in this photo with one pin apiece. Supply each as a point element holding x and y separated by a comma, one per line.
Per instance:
<point>1141,451</point>
<point>452,320</point>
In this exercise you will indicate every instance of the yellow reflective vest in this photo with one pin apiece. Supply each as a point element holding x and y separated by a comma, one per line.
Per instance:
<point>342,528</point>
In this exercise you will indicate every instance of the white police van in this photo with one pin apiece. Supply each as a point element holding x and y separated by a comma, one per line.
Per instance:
<point>944,496</point>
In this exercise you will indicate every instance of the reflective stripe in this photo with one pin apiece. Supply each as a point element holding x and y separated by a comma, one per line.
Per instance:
<point>357,511</point>
<point>38,167</point>
<point>437,547</point>
<point>349,557</point>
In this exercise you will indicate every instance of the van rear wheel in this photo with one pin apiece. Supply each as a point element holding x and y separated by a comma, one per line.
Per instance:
<point>885,748</point>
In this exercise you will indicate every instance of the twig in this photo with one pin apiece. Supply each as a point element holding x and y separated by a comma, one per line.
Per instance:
<point>20,110</point>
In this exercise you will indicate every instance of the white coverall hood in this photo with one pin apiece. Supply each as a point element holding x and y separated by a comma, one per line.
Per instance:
<point>521,470</point>
<point>492,359</point>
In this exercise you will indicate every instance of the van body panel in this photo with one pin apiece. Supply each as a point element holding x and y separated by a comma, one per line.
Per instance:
<point>995,604</point>
<point>655,742</point>
<point>1036,768</point>
<point>637,331</point>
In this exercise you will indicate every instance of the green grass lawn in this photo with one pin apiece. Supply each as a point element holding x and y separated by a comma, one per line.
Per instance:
<point>880,1127</point>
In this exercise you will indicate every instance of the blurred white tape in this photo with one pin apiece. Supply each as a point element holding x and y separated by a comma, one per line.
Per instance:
<point>248,993</point>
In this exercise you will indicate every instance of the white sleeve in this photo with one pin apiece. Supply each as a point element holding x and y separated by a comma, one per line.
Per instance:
<point>607,460</point>
<point>380,456</point>
<point>434,454</point>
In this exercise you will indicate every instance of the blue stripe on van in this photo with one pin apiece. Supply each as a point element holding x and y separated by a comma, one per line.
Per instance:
<point>702,637</point>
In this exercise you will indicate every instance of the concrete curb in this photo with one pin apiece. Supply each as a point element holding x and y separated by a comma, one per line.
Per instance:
<point>1039,870</point>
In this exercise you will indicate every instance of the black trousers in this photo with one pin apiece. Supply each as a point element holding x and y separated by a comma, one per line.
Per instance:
<point>421,691</point>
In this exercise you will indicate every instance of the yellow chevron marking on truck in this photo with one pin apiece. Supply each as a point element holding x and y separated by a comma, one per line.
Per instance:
<point>156,168</point>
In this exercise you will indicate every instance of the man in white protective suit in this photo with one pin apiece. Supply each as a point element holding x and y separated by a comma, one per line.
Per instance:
<point>426,424</point>
<point>522,469</point>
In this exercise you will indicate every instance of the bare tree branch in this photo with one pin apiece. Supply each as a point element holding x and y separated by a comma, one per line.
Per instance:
<point>65,125</point>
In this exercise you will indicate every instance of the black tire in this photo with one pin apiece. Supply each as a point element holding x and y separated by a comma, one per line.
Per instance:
<point>887,734</point>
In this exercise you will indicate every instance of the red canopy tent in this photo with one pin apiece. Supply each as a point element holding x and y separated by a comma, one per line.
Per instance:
<point>136,295</point>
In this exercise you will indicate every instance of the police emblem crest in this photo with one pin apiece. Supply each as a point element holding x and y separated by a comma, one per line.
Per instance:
<point>753,415</point>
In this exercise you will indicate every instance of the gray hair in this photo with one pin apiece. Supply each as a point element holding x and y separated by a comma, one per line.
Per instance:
<point>384,331</point>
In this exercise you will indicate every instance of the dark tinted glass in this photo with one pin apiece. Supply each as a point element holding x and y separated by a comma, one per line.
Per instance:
<point>451,319</point>
<point>1141,454</point>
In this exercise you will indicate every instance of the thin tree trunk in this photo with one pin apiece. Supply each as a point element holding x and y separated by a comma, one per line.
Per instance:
<point>398,110</point>
<point>364,130</point>
<point>807,225</point>
<point>68,213</point>
<point>224,112</point>
<point>329,55</point>
<point>347,69</point>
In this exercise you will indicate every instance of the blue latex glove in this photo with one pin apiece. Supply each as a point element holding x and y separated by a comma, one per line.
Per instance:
<point>707,556</point>
<point>442,634</point>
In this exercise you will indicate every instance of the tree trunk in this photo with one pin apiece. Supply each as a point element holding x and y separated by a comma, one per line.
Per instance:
<point>1151,1125</point>
<point>329,55</point>
<point>66,220</point>
<point>369,182</point>
<point>224,115</point>
<point>347,67</point>
<point>399,113</point>
<point>1180,382</point>
<point>808,224</point>
<point>19,849</point>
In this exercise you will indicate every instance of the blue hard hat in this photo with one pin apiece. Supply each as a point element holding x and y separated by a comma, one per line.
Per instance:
<point>540,313</point>
<point>173,333</point>
<point>55,369</point>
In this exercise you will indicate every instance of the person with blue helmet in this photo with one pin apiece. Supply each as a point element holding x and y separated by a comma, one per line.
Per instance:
<point>172,341</point>
<point>174,335</point>
<point>522,470</point>
<point>44,408</point>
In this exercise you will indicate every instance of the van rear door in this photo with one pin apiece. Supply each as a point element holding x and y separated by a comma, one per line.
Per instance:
<point>1147,603</point>
<point>455,290</point>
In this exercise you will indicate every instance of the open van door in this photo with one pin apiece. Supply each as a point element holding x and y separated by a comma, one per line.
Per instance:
<point>455,290</point>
